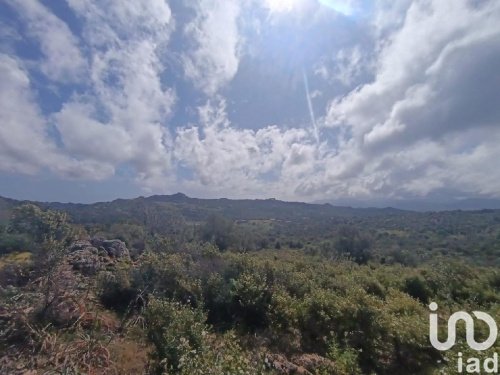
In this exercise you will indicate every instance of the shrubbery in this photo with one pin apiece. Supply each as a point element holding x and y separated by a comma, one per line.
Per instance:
<point>207,308</point>
<point>177,332</point>
<point>185,345</point>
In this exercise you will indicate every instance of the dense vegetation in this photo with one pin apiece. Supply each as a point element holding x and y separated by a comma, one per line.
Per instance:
<point>237,287</point>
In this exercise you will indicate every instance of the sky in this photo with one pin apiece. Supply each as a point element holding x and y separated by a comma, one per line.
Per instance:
<point>310,100</point>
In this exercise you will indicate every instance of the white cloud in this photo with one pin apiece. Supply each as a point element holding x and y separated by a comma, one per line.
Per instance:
<point>427,121</point>
<point>237,162</point>
<point>346,67</point>
<point>432,85</point>
<point>350,65</point>
<point>123,119</point>
<point>85,137</point>
<point>25,146</point>
<point>63,60</point>
<point>278,6</point>
<point>108,22</point>
<point>119,118</point>
<point>214,59</point>
<point>21,121</point>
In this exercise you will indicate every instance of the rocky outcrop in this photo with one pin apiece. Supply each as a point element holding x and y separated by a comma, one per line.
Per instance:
<point>91,256</point>
<point>114,248</point>
<point>86,260</point>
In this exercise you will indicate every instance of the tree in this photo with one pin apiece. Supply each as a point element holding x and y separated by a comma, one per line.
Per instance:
<point>218,230</point>
<point>42,226</point>
<point>51,233</point>
<point>350,242</point>
<point>416,288</point>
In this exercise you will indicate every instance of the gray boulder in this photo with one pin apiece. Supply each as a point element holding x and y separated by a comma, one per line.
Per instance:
<point>86,260</point>
<point>89,257</point>
<point>114,248</point>
<point>79,245</point>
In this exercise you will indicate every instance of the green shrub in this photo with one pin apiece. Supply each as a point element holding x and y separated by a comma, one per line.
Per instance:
<point>283,318</point>
<point>220,356</point>
<point>116,293</point>
<point>251,297</point>
<point>10,242</point>
<point>417,288</point>
<point>345,359</point>
<point>218,300</point>
<point>172,276</point>
<point>178,333</point>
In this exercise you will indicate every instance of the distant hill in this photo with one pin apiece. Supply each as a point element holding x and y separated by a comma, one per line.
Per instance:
<point>424,205</point>
<point>195,209</point>
<point>260,222</point>
<point>6,205</point>
<point>166,211</point>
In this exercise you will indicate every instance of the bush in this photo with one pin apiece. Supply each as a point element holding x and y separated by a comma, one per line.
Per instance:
<point>354,245</point>
<point>251,298</point>
<point>220,231</point>
<point>15,269</point>
<point>415,287</point>
<point>116,292</point>
<point>10,242</point>
<point>184,345</point>
<point>172,276</point>
<point>283,317</point>
<point>221,355</point>
<point>178,333</point>
<point>346,359</point>
<point>218,300</point>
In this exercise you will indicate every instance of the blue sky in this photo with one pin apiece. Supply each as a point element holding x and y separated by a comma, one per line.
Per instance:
<point>294,99</point>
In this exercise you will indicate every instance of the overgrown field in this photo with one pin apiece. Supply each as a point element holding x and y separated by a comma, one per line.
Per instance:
<point>202,299</point>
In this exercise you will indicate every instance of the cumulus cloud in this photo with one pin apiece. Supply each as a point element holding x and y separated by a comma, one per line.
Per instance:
<point>116,115</point>
<point>63,60</point>
<point>88,138</point>
<point>108,22</point>
<point>434,82</point>
<point>213,60</point>
<point>417,111</point>
<point>346,67</point>
<point>122,119</point>
<point>243,162</point>
<point>20,118</point>
<point>25,146</point>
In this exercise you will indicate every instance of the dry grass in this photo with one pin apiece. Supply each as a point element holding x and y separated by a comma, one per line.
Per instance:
<point>129,357</point>
<point>16,258</point>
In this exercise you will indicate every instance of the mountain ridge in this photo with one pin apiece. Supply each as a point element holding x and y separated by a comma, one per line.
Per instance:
<point>179,206</point>
<point>198,209</point>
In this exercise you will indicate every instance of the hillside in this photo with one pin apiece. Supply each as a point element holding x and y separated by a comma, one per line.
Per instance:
<point>195,209</point>
<point>257,224</point>
<point>179,285</point>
